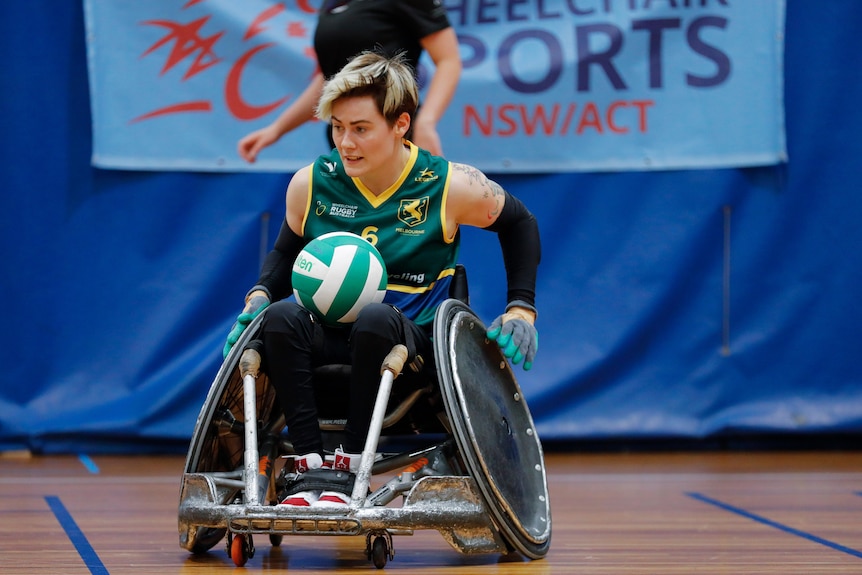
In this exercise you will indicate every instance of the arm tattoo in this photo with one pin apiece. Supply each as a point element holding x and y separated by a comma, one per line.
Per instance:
<point>490,188</point>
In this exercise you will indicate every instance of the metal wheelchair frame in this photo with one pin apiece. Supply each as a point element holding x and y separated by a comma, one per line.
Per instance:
<point>463,485</point>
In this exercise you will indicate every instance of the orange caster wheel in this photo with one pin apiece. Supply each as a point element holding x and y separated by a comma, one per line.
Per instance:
<point>241,549</point>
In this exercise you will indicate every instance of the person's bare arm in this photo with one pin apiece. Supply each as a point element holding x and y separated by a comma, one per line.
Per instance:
<point>296,199</point>
<point>474,199</point>
<point>300,111</point>
<point>442,47</point>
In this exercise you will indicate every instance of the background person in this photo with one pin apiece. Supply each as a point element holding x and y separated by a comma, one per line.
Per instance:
<point>344,29</point>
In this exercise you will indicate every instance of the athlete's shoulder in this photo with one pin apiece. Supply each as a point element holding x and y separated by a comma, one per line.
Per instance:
<point>301,177</point>
<point>466,174</point>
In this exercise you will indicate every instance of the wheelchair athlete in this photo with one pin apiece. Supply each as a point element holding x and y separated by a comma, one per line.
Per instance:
<point>410,205</point>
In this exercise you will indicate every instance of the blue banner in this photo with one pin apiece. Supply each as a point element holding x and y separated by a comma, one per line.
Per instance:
<point>548,85</point>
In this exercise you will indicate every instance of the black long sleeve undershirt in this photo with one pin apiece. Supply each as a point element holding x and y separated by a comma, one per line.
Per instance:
<point>275,273</point>
<point>518,233</point>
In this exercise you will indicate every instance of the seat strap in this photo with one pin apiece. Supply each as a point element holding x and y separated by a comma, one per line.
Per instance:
<point>319,480</point>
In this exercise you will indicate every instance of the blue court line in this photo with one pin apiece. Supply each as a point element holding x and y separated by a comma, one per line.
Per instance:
<point>776,525</point>
<point>89,464</point>
<point>76,536</point>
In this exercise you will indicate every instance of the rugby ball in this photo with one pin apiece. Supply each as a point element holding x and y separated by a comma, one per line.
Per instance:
<point>336,275</point>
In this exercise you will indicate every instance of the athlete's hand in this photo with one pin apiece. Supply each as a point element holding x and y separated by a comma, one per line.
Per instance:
<point>256,302</point>
<point>515,333</point>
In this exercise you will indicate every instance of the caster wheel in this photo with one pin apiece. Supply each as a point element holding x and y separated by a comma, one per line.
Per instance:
<point>379,552</point>
<point>207,538</point>
<point>239,550</point>
<point>275,540</point>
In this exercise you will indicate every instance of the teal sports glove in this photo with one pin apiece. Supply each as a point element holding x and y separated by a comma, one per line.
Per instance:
<point>256,303</point>
<point>515,333</point>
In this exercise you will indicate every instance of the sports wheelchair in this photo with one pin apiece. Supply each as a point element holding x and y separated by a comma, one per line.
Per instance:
<point>476,474</point>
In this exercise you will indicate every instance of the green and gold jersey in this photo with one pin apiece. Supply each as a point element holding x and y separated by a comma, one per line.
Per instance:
<point>407,224</point>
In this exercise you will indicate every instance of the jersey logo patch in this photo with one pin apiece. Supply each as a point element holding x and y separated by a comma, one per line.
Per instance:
<point>426,175</point>
<point>328,169</point>
<point>413,212</point>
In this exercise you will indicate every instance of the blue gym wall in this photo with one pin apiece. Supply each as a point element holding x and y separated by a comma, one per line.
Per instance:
<point>678,305</point>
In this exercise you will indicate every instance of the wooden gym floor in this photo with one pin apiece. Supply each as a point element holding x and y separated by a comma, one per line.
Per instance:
<point>616,514</point>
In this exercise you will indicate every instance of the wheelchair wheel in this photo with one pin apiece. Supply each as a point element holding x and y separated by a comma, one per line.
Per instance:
<point>217,444</point>
<point>493,429</point>
<point>206,539</point>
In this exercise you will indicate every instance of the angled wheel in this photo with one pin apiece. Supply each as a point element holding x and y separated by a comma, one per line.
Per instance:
<point>206,539</point>
<point>493,429</point>
<point>217,443</point>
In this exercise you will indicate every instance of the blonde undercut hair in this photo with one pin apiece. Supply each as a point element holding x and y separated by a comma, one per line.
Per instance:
<point>389,80</point>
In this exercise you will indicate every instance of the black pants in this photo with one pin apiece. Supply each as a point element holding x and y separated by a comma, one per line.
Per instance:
<point>295,343</point>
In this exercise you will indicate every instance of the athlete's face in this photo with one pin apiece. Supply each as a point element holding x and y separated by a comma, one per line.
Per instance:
<point>368,145</point>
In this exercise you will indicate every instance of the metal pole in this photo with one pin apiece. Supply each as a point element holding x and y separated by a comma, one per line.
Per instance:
<point>249,393</point>
<point>390,369</point>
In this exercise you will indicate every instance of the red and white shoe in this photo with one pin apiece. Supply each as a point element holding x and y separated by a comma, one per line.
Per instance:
<point>301,464</point>
<point>302,499</point>
<point>332,499</point>
<point>341,461</point>
<point>347,461</point>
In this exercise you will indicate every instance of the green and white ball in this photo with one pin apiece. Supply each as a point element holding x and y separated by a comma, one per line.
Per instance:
<point>336,275</point>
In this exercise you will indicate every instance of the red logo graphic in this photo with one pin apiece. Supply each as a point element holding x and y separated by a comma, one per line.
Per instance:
<point>189,42</point>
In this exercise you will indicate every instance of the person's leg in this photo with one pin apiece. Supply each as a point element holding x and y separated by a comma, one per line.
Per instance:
<point>294,344</point>
<point>289,339</point>
<point>378,328</point>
